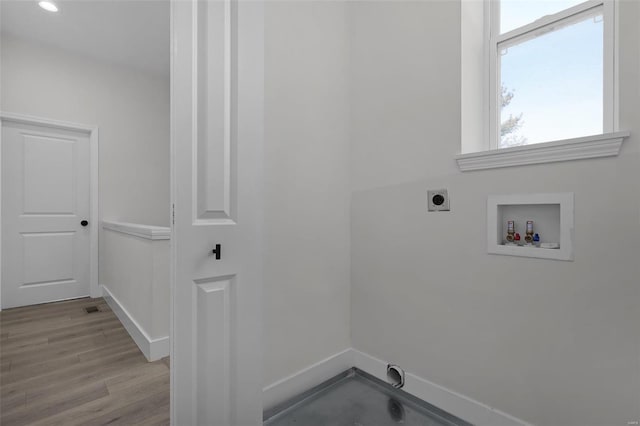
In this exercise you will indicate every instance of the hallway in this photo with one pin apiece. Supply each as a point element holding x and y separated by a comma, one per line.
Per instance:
<point>61,365</point>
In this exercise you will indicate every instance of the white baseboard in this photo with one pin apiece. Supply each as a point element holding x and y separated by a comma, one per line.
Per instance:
<point>153,349</point>
<point>452,402</point>
<point>303,380</point>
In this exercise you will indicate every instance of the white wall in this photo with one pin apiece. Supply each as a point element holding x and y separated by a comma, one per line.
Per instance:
<point>135,270</point>
<point>307,193</point>
<point>130,107</point>
<point>553,343</point>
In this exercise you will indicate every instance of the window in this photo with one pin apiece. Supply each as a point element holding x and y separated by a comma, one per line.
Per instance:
<point>538,82</point>
<point>551,70</point>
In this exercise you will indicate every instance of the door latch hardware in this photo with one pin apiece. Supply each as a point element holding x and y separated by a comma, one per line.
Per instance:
<point>217,251</point>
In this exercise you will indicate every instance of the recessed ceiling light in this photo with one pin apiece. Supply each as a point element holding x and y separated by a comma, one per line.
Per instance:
<point>48,6</point>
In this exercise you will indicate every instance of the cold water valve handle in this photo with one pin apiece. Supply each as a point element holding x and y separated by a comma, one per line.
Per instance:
<point>529,236</point>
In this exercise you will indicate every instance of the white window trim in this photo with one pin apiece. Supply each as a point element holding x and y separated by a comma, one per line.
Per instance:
<point>605,145</point>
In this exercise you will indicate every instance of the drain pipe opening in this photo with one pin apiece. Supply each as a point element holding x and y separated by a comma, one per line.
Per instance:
<point>395,376</point>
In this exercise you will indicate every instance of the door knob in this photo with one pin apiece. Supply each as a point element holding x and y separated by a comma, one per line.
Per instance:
<point>84,223</point>
<point>217,251</point>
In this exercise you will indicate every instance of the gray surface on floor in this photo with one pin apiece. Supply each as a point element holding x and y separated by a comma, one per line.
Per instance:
<point>358,399</point>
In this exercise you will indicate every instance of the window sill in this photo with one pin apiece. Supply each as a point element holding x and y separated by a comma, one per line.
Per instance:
<point>606,145</point>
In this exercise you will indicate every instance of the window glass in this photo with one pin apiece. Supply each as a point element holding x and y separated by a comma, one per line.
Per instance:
<point>516,13</point>
<point>552,85</point>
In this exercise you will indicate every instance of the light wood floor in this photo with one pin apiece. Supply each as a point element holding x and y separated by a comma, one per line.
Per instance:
<point>62,366</point>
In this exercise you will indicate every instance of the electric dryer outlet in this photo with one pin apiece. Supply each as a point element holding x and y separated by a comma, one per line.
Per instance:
<point>438,200</point>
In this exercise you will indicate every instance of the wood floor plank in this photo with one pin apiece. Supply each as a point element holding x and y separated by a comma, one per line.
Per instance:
<point>46,347</point>
<point>44,408</point>
<point>81,369</point>
<point>115,346</point>
<point>51,307</point>
<point>61,365</point>
<point>48,321</point>
<point>109,407</point>
<point>108,370</point>
<point>24,329</point>
<point>90,322</point>
<point>159,419</point>
<point>77,347</point>
<point>9,345</point>
<point>83,331</point>
<point>134,413</point>
<point>56,323</point>
<point>38,369</point>
<point>14,401</point>
<point>103,374</point>
<point>9,323</point>
<point>44,311</point>
<point>135,377</point>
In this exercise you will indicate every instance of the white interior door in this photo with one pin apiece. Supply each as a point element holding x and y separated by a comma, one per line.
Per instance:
<point>217,127</point>
<point>45,196</point>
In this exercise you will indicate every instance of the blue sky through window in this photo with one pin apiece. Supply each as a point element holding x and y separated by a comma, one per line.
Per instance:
<point>556,78</point>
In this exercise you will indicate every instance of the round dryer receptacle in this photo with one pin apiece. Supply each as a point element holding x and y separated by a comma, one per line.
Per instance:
<point>438,199</point>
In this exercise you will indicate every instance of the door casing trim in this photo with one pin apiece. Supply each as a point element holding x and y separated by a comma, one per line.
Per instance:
<point>94,200</point>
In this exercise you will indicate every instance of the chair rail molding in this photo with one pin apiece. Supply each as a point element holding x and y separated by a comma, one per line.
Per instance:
<point>148,232</point>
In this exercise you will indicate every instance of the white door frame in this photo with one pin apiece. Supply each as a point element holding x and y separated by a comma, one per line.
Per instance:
<point>94,204</point>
